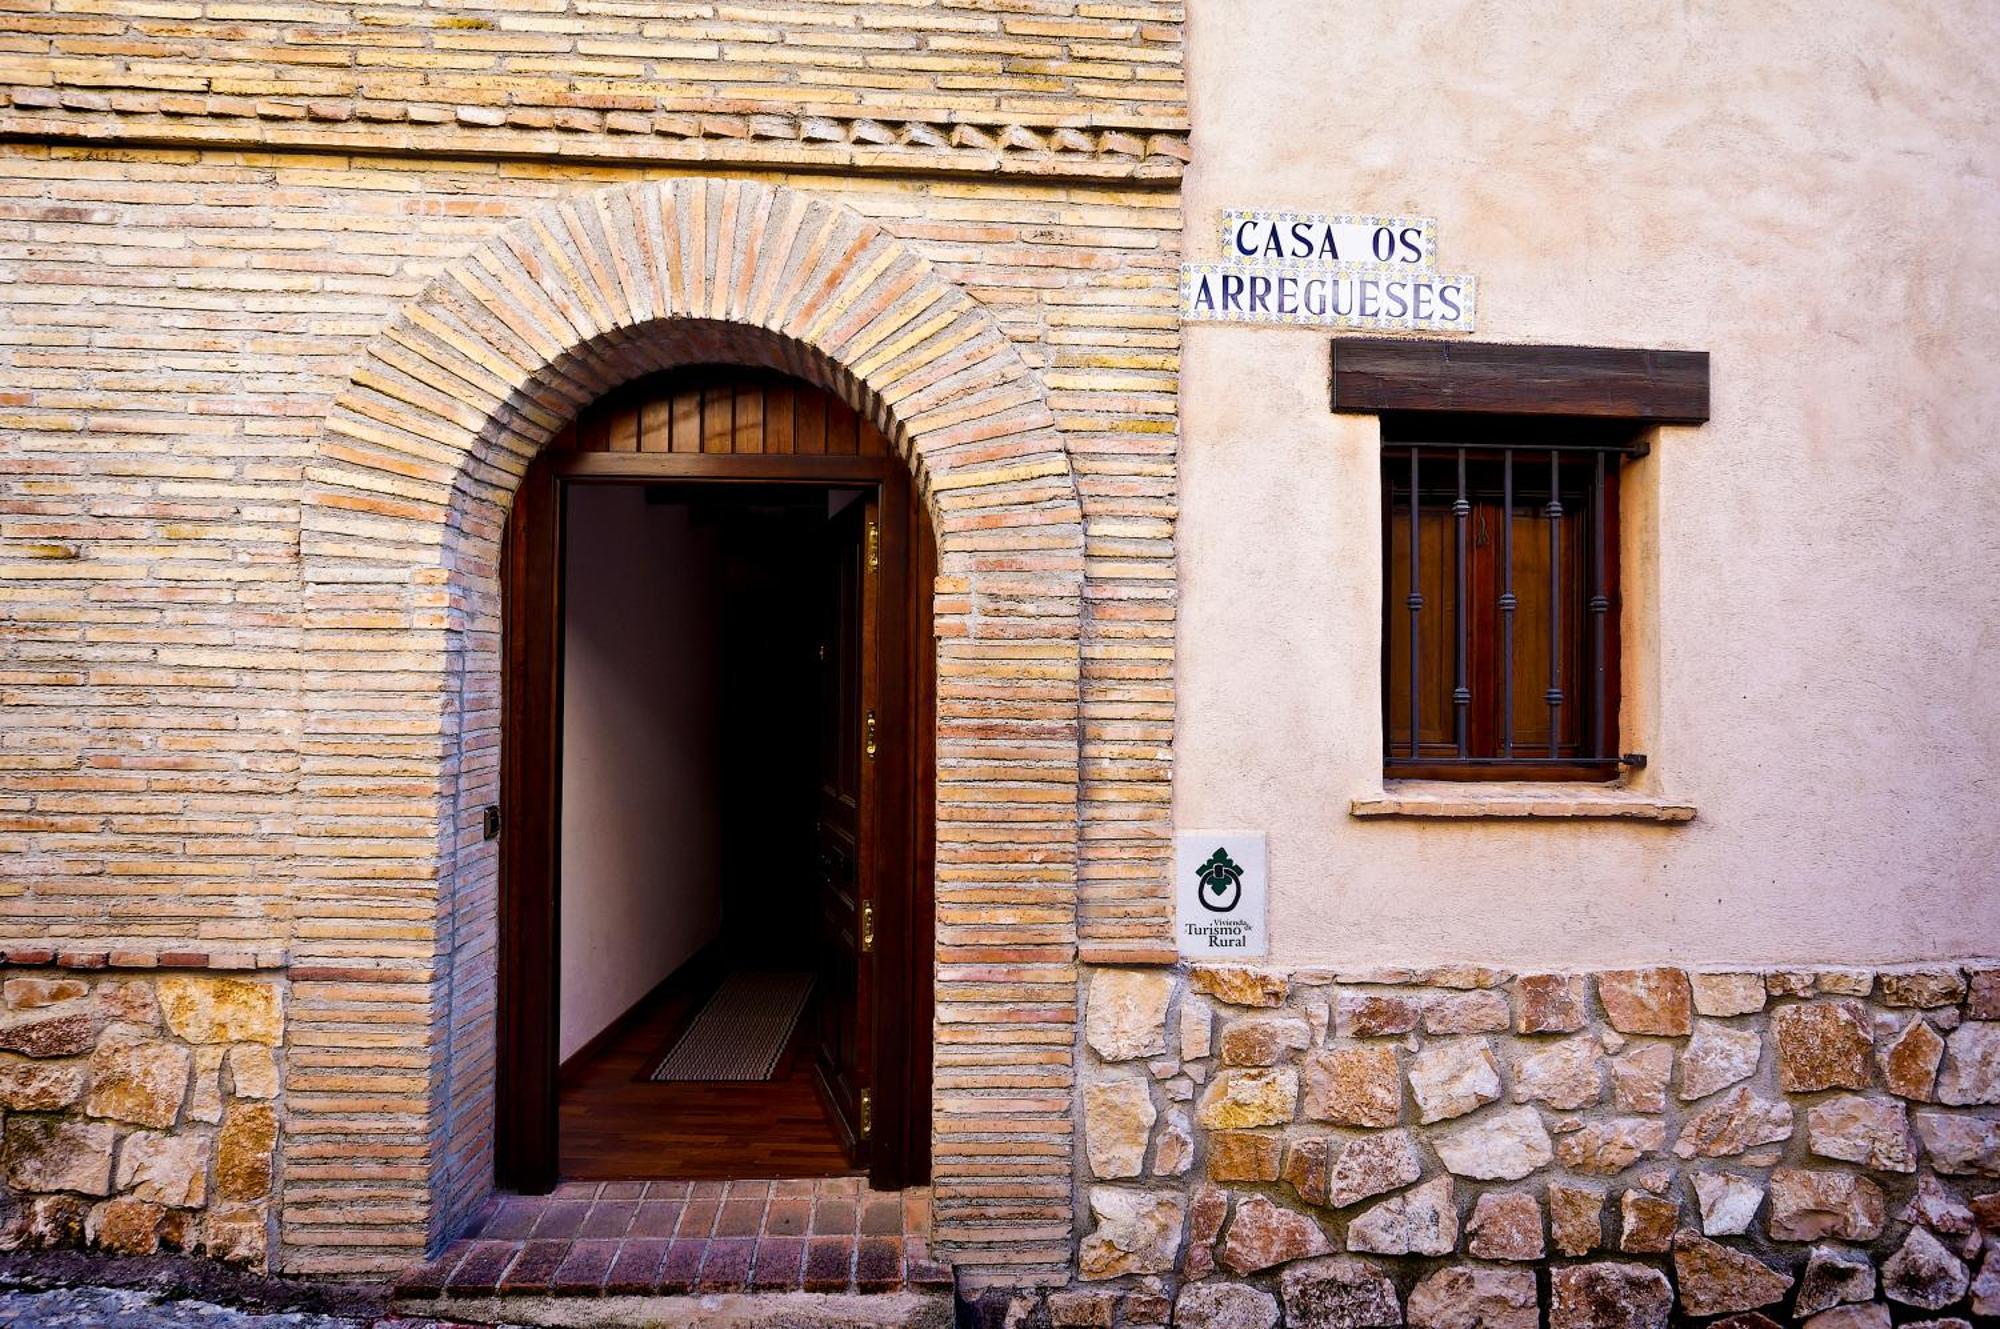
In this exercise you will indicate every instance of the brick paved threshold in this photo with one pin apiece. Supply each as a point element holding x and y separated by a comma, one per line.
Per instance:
<point>805,1252</point>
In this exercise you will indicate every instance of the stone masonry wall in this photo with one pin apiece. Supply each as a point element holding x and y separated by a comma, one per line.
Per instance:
<point>139,1109</point>
<point>1461,1147</point>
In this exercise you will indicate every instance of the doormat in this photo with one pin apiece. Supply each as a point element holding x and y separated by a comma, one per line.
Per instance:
<point>742,1030</point>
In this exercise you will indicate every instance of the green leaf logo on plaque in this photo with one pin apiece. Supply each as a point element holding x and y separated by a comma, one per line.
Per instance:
<point>1222,879</point>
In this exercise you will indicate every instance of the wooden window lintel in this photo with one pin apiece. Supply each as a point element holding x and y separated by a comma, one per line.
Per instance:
<point>1383,374</point>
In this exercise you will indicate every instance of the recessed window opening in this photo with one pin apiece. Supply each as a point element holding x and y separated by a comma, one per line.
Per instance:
<point>1500,621</point>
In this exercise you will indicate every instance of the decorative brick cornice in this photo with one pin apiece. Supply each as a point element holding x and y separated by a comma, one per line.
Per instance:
<point>144,955</point>
<point>1126,151</point>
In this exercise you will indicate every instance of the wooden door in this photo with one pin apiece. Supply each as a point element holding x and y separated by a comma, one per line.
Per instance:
<point>844,832</point>
<point>872,1024</point>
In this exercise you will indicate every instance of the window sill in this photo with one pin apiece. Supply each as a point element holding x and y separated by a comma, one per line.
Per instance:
<point>1464,799</point>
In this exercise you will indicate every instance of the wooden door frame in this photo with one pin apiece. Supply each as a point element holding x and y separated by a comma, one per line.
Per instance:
<point>529,950</point>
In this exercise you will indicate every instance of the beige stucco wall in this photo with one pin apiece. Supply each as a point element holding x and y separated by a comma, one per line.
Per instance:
<point>1807,192</point>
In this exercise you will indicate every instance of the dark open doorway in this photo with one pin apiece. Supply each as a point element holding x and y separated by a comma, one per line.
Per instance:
<point>715,904</point>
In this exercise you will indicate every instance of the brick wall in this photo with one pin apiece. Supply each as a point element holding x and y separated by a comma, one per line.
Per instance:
<point>256,441</point>
<point>179,322</point>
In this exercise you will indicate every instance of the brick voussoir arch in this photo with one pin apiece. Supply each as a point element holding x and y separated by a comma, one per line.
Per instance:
<point>413,471</point>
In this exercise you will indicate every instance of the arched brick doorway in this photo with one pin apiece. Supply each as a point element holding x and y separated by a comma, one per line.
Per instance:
<point>806,830</point>
<point>408,491</point>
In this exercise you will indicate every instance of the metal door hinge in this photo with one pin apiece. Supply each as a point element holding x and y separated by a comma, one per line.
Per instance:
<point>868,745</point>
<point>874,546</point>
<point>867,926</point>
<point>867,1112</point>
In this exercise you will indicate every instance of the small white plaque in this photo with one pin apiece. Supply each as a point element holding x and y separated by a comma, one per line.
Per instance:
<point>1221,882</point>
<point>1267,235</point>
<point>1327,296</point>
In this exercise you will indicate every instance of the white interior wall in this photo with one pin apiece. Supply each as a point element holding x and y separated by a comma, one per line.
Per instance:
<point>641,842</point>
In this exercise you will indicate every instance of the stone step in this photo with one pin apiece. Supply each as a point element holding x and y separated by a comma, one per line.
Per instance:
<point>914,1308</point>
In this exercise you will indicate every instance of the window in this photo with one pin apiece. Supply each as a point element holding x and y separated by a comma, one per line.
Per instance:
<point>1500,622</point>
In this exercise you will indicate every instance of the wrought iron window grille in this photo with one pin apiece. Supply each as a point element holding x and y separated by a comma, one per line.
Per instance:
<point>1500,643</point>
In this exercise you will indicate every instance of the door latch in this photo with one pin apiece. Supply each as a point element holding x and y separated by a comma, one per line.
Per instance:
<point>867,1112</point>
<point>867,926</point>
<point>874,546</point>
<point>868,744</point>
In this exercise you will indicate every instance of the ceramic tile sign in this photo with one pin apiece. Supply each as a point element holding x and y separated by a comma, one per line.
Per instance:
<point>1328,270</point>
<point>1220,886</point>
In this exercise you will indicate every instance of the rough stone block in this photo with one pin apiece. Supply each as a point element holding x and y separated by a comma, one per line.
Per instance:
<point>1240,985</point>
<point>1243,1156</point>
<point>1823,1045</point>
<point>1263,1040</point>
<point>1137,1232</point>
<point>125,1226</point>
<point>1909,1061</point>
<point>59,1154</point>
<point>1497,1146</point>
<point>1971,1074</point>
<point>1609,1295</point>
<point>1118,1117</point>
<point>1639,1078</point>
<point>1261,1236</point>
<point>1724,995</point>
<point>165,1169</point>
<point>1735,1123</point>
<point>1374,1014</point>
<point>27,1085</point>
<point>1728,1202</point>
<point>1718,1056</point>
<point>238,1234</point>
<point>1353,1086</point>
<point>1576,1217</point>
<point>58,1031</point>
<point>1422,1221</point>
<point>1243,1098</point>
<point>1714,1280</point>
<point>1482,1011</point>
<point>1834,1276</point>
<point>1125,1013</point>
<point>253,1071</point>
<point>1604,1148</point>
<point>204,1008</point>
<point>1959,1145</point>
<point>1549,1004</point>
<point>33,993</point>
<point>1813,1205</point>
<point>243,1152</point>
<point>1874,1132</point>
<point>1567,1074</point>
<point>1646,1223</point>
<point>1339,1293</point>
<point>1372,1165</point>
<point>1225,1306</point>
<point>1505,1225</point>
<point>1472,1296</point>
<point>140,1080</point>
<point>1922,1273</point>
<point>1646,1001</point>
<point>1925,988</point>
<point>1452,1077</point>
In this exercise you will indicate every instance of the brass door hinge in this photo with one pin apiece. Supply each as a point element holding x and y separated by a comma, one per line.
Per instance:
<point>867,926</point>
<point>868,744</point>
<point>867,1112</point>
<point>874,546</point>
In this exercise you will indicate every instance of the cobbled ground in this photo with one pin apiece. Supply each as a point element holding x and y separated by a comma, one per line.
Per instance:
<point>119,1308</point>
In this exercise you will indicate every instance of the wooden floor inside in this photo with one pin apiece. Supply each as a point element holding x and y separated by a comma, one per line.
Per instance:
<point>616,1126</point>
